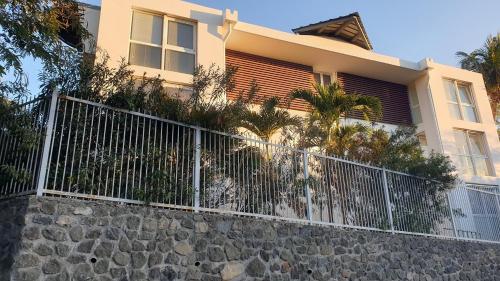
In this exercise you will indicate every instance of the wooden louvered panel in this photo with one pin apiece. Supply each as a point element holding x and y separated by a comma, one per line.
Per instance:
<point>275,78</point>
<point>278,78</point>
<point>394,97</point>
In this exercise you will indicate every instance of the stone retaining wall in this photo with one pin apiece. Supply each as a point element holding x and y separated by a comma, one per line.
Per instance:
<point>67,239</point>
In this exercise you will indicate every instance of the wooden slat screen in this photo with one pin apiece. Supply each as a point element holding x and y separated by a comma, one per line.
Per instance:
<point>278,78</point>
<point>275,78</point>
<point>394,97</point>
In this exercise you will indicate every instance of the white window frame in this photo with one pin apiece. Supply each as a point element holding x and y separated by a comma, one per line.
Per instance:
<point>473,157</point>
<point>321,79</point>
<point>165,46</point>
<point>462,104</point>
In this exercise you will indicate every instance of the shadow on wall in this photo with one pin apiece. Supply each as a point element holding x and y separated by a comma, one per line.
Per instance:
<point>208,19</point>
<point>12,224</point>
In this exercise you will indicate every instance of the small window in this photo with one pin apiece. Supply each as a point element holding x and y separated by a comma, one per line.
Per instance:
<point>415,108</point>
<point>323,79</point>
<point>470,154</point>
<point>422,139</point>
<point>460,102</point>
<point>180,53</point>
<point>148,48</point>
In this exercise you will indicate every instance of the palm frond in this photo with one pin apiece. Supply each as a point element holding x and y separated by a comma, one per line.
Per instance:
<point>268,120</point>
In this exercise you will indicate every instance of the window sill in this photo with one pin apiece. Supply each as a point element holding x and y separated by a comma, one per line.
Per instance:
<point>169,76</point>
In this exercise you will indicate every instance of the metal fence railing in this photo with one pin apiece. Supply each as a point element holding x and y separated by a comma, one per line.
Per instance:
<point>21,145</point>
<point>90,150</point>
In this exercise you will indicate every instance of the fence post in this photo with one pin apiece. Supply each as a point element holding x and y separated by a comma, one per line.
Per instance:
<point>44,163</point>
<point>498,200</point>
<point>455,232</point>
<point>306,185</point>
<point>387,199</point>
<point>197,170</point>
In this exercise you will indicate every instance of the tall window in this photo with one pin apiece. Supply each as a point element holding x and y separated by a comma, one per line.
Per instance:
<point>471,153</point>
<point>323,78</point>
<point>162,42</point>
<point>415,108</point>
<point>460,102</point>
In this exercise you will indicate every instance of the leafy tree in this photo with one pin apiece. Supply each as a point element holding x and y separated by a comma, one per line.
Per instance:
<point>31,28</point>
<point>353,192</point>
<point>329,105</point>
<point>486,61</point>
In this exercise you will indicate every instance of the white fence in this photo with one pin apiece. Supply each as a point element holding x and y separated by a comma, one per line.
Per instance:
<point>89,150</point>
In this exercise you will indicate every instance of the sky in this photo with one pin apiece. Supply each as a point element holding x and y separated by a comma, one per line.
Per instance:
<point>410,30</point>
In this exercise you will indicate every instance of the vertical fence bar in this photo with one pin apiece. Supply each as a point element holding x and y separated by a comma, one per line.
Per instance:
<point>453,224</point>
<point>387,199</point>
<point>46,145</point>
<point>197,170</point>
<point>498,201</point>
<point>306,185</point>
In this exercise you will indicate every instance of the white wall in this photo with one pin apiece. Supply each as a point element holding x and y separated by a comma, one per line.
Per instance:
<point>91,18</point>
<point>439,125</point>
<point>115,23</point>
<point>425,77</point>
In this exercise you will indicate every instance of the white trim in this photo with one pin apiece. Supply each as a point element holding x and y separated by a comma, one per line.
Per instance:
<point>322,78</point>
<point>459,102</point>
<point>472,156</point>
<point>164,40</point>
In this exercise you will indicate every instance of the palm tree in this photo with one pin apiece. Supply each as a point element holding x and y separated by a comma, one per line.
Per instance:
<point>329,105</point>
<point>486,61</point>
<point>268,120</point>
<point>265,123</point>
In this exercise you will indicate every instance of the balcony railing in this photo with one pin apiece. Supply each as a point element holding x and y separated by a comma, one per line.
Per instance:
<point>64,146</point>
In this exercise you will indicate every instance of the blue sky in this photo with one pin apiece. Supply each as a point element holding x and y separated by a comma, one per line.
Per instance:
<point>410,30</point>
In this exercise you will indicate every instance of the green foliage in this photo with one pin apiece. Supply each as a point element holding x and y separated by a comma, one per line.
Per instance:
<point>20,137</point>
<point>400,151</point>
<point>30,28</point>
<point>329,105</point>
<point>268,120</point>
<point>204,104</point>
<point>486,61</point>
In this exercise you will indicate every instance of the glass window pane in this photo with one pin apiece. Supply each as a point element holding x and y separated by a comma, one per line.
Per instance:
<point>461,142</point>
<point>179,62</point>
<point>413,99</point>
<point>464,95</point>
<point>147,28</point>
<point>180,34</point>
<point>145,55</point>
<point>476,143</point>
<point>470,113</point>
<point>482,166</point>
<point>454,110</point>
<point>450,90</point>
<point>416,115</point>
<point>327,79</point>
<point>464,165</point>
<point>317,78</point>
